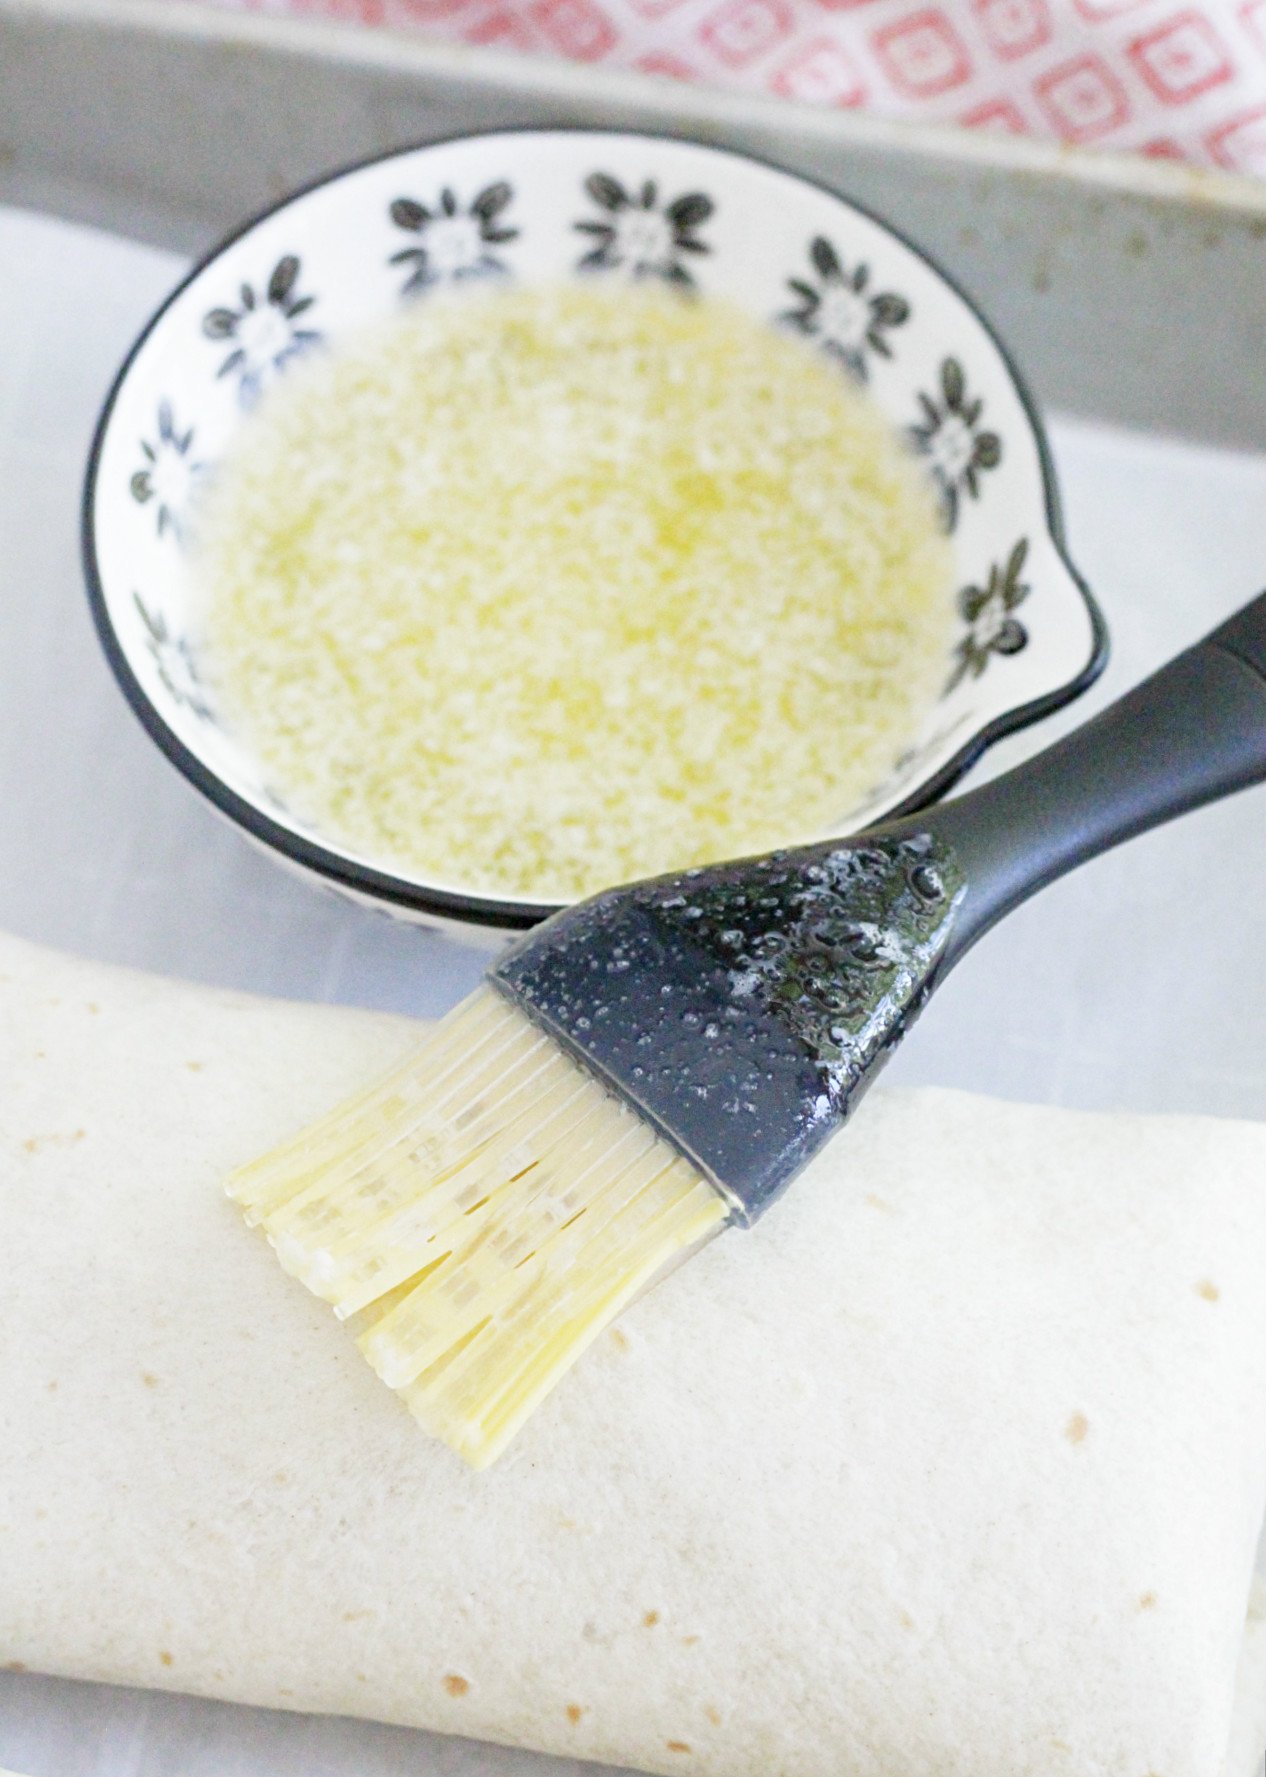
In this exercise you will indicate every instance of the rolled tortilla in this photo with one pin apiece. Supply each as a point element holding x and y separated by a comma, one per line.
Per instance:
<point>957,1464</point>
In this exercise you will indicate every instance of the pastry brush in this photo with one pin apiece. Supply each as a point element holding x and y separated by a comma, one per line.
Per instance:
<point>659,1062</point>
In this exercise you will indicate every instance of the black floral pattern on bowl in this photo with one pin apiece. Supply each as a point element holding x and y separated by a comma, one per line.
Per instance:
<point>988,611</point>
<point>841,313</point>
<point>638,235</point>
<point>168,474</point>
<point>262,329</point>
<point>950,436</point>
<point>174,660</point>
<point>453,243</point>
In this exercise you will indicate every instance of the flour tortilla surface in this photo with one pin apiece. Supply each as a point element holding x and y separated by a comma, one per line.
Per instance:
<point>957,1464</point>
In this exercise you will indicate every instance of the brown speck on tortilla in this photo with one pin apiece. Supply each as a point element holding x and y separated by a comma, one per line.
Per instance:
<point>34,1143</point>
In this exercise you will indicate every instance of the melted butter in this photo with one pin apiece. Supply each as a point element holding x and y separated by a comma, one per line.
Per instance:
<point>541,590</point>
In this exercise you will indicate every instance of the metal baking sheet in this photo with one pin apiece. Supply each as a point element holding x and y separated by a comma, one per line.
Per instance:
<point>1129,288</point>
<point>1144,975</point>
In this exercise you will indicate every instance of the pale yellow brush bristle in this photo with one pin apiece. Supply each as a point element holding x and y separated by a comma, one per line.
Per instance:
<point>480,1216</point>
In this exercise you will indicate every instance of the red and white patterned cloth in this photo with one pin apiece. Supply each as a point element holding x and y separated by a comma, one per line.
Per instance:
<point>1151,75</point>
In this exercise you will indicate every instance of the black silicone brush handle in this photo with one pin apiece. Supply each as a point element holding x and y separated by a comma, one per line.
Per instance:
<point>1194,731</point>
<point>770,991</point>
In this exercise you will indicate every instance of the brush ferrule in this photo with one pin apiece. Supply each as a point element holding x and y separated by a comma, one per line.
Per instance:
<point>745,1007</point>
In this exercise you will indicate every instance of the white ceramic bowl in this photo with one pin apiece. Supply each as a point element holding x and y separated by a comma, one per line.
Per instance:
<point>537,205</point>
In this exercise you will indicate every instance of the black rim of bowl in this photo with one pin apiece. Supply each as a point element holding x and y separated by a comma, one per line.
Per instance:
<point>485,910</point>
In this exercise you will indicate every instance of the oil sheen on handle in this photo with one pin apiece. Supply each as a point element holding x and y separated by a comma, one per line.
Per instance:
<point>538,590</point>
<point>746,1007</point>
